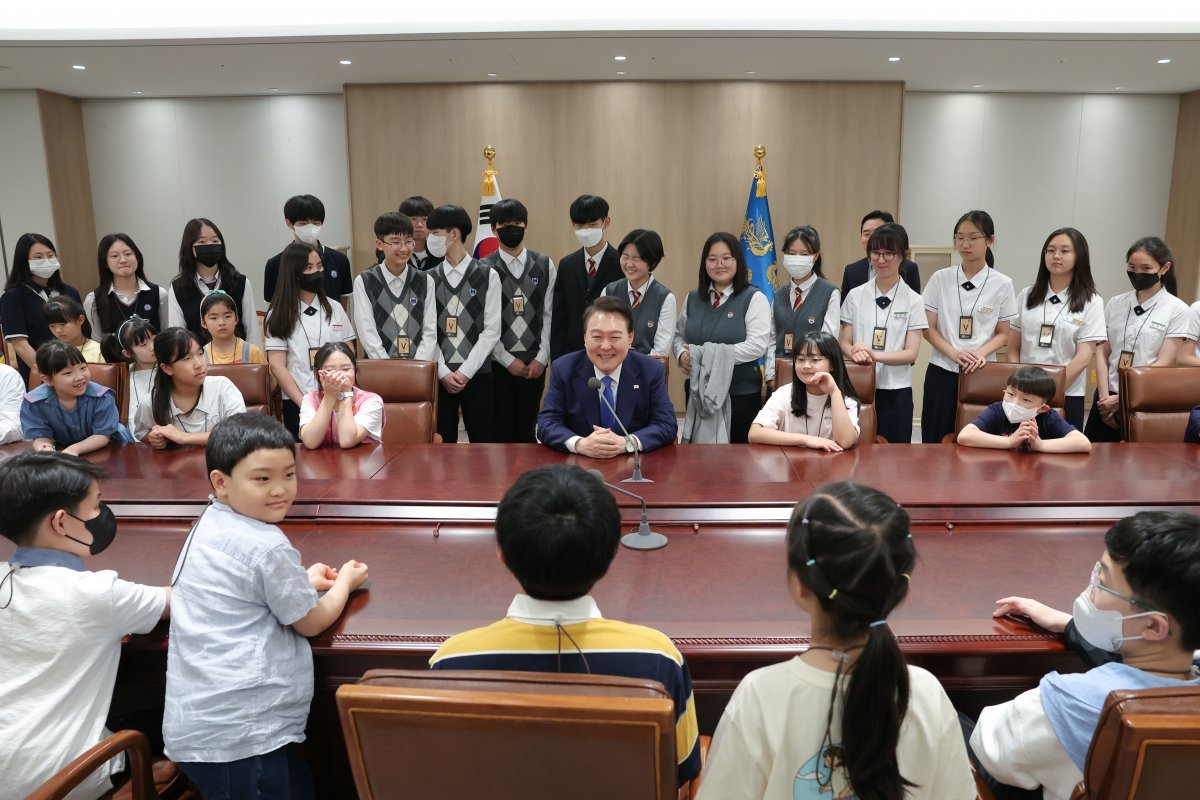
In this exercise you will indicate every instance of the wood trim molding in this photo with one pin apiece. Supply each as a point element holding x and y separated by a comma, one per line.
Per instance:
<point>70,187</point>
<point>1183,208</point>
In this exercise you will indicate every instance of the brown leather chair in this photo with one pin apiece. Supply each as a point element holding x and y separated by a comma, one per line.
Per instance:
<point>160,780</point>
<point>1146,746</point>
<point>116,377</point>
<point>666,362</point>
<point>1157,401</point>
<point>409,389</point>
<point>529,735</point>
<point>979,389</point>
<point>862,378</point>
<point>254,382</point>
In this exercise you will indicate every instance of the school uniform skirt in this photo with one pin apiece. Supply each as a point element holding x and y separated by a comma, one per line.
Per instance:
<point>894,414</point>
<point>940,406</point>
<point>1097,430</point>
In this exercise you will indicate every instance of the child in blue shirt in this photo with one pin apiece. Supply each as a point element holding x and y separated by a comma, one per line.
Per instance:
<point>68,411</point>
<point>1023,420</point>
<point>239,668</point>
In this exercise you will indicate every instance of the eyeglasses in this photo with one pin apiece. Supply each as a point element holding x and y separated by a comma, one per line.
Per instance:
<point>400,242</point>
<point>1095,583</point>
<point>724,261</point>
<point>810,361</point>
<point>120,256</point>
<point>968,239</point>
<point>883,255</point>
<point>1066,251</point>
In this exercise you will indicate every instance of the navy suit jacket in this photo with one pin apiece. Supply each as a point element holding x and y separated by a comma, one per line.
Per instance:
<point>856,274</point>
<point>571,408</point>
<point>573,293</point>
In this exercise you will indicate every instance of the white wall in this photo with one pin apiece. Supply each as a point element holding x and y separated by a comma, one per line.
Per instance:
<point>1036,162</point>
<point>155,164</point>
<point>24,184</point>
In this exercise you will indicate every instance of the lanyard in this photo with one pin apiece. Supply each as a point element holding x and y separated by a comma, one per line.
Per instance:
<point>1046,302</point>
<point>1138,335</point>
<point>891,303</point>
<point>958,287</point>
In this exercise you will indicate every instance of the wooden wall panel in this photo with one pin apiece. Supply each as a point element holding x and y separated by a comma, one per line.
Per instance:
<point>70,188</point>
<point>1183,209</point>
<point>676,157</point>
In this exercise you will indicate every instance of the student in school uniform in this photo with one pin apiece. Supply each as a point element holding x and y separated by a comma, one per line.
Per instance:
<point>418,209</point>
<point>133,343</point>
<point>124,290</point>
<point>526,314</point>
<point>582,274</point>
<point>1060,318</point>
<point>653,304</point>
<point>467,301</point>
<point>882,324</point>
<point>69,324</point>
<point>861,271</point>
<point>33,278</point>
<point>300,321</point>
<point>203,267</point>
<point>394,313</point>
<point>1146,327</point>
<point>806,303</point>
<point>1189,353</point>
<point>970,307</point>
<point>304,215</point>
<point>1023,419</point>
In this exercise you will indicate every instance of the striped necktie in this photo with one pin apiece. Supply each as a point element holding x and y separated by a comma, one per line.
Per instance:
<point>799,299</point>
<point>635,298</point>
<point>591,268</point>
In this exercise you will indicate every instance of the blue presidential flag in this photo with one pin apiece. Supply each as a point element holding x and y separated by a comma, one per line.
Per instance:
<point>758,240</point>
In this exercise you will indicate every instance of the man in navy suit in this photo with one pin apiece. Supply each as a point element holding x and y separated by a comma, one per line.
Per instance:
<point>573,416</point>
<point>860,271</point>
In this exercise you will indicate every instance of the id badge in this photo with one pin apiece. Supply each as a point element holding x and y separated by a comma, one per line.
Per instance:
<point>879,339</point>
<point>519,304</point>
<point>403,345</point>
<point>788,341</point>
<point>312,357</point>
<point>451,327</point>
<point>1046,336</point>
<point>966,327</point>
<point>1126,360</point>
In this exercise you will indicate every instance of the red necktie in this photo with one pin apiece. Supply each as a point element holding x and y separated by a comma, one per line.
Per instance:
<point>637,298</point>
<point>591,268</point>
<point>716,300</point>
<point>798,301</point>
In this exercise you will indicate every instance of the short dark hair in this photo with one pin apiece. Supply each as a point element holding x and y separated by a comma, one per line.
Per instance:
<point>558,530</point>
<point>588,208</point>
<point>612,305</point>
<point>508,210</point>
<point>448,217</point>
<point>876,214</point>
<point>54,356</point>
<point>35,485</point>
<point>812,240</point>
<point>1035,381</point>
<point>64,308</point>
<point>889,238</point>
<point>416,206</point>
<point>1159,552</point>
<point>238,436</point>
<point>391,223</point>
<point>328,349</point>
<point>303,206</point>
<point>648,244</point>
<point>741,277</point>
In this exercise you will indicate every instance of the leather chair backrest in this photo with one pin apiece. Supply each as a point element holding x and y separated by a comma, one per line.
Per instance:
<point>115,377</point>
<point>253,381</point>
<point>666,362</point>
<point>862,378</point>
<point>507,735</point>
<point>1146,746</point>
<point>409,390</point>
<point>1156,402</point>
<point>979,389</point>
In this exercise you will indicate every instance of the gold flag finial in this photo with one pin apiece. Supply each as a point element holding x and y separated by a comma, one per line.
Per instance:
<point>489,174</point>
<point>760,175</point>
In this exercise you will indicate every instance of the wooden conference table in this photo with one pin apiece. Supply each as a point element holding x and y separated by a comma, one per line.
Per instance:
<point>986,524</point>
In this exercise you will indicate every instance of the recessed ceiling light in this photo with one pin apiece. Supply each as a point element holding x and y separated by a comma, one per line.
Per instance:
<point>346,62</point>
<point>977,86</point>
<point>893,58</point>
<point>620,72</point>
<point>81,66</point>
<point>751,72</point>
<point>618,58</point>
<point>493,74</point>
<point>1161,61</point>
<point>1118,88</point>
<point>272,88</point>
<point>137,92</point>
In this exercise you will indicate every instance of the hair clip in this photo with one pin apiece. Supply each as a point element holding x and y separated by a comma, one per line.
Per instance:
<point>832,595</point>
<point>877,623</point>
<point>906,576</point>
<point>810,562</point>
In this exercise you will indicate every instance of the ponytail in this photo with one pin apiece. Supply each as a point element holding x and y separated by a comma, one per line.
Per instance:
<point>872,713</point>
<point>983,221</point>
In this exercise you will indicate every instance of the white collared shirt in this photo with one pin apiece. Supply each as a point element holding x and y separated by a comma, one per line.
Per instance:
<point>491,318</point>
<point>311,331</point>
<point>666,318</point>
<point>141,383</point>
<point>248,314</point>
<point>758,327</point>
<point>1070,330</point>
<point>906,313</point>
<point>531,611</point>
<point>219,398</point>
<point>777,414</point>
<point>163,321</point>
<point>829,324</point>
<point>516,267</point>
<point>364,314</point>
<point>990,302</point>
<point>1193,325</point>
<point>599,257</point>
<point>12,392</point>
<point>1165,318</point>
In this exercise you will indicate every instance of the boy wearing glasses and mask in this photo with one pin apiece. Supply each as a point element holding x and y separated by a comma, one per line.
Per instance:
<point>393,304</point>
<point>1140,609</point>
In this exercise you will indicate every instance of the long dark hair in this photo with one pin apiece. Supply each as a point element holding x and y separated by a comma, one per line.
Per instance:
<point>19,274</point>
<point>812,240</point>
<point>827,346</point>
<point>186,279</point>
<point>1157,249</point>
<point>106,276</point>
<point>65,308</point>
<point>169,346</point>
<point>983,221</point>
<point>1082,287</point>
<point>740,279</point>
<point>285,305</point>
<point>850,545</point>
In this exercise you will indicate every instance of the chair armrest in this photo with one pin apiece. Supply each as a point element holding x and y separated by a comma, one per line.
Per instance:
<point>73,774</point>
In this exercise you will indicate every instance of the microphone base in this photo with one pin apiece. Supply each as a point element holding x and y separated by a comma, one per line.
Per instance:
<point>637,479</point>
<point>648,540</point>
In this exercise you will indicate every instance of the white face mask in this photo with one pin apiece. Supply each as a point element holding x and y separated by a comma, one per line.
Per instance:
<point>43,267</point>
<point>1017,413</point>
<point>436,245</point>
<point>1101,628</point>
<point>798,266</point>
<point>589,237</point>
<point>307,233</point>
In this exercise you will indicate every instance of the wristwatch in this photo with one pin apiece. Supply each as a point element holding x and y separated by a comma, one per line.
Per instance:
<point>629,448</point>
<point>345,395</point>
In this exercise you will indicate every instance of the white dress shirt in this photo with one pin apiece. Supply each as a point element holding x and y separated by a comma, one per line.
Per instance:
<point>758,327</point>
<point>616,382</point>
<point>667,315</point>
<point>163,321</point>
<point>1070,330</point>
<point>990,302</point>
<point>1165,317</point>
<point>364,315</point>
<point>516,267</point>
<point>905,313</point>
<point>219,399</point>
<point>12,391</point>
<point>490,334</point>
<point>311,331</point>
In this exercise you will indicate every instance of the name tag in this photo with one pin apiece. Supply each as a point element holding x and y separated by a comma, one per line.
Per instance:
<point>879,338</point>
<point>1075,321</point>
<point>519,304</point>
<point>403,345</point>
<point>986,310</point>
<point>966,327</point>
<point>451,326</point>
<point>312,357</point>
<point>788,341</point>
<point>900,314</point>
<point>1158,326</point>
<point>1126,360</point>
<point>1046,336</point>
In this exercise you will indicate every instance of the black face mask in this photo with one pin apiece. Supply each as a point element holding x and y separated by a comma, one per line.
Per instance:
<point>210,254</point>
<point>102,527</point>
<point>311,281</point>
<point>510,235</point>
<point>1143,280</point>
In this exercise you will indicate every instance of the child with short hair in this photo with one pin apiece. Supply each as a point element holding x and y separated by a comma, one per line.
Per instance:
<point>558,530</point>
<point>69,324</point>
<point>61,626</point>
<point>133,344</point>
<point>239,669</point>
<point>655,308</point>
<point>583,274</point>
<point>304,215</point>
<point>1024,420</point>
<point>339,413</point>
<point>394,312</point>
<point>418,209</point>
<point>68,411</point>
<point>219,319</point>
<point>848,717</point>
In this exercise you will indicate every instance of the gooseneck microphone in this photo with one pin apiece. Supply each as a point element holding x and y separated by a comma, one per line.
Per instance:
<point>643,538</point>
<point>595,384</point>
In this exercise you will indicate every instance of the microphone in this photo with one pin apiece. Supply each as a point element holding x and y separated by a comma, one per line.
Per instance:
<point>643,538</point>
<point>596,384</point>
